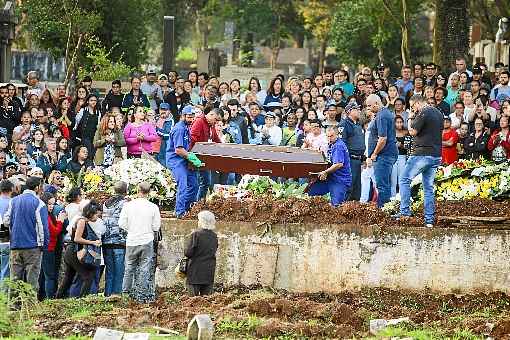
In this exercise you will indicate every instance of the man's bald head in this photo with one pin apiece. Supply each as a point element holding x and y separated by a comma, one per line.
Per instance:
<point>374,103</point>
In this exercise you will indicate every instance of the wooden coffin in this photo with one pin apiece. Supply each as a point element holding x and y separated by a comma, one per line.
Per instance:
<point>264,160</point>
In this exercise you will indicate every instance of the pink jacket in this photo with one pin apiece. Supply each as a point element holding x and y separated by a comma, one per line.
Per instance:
<point>134,146</point>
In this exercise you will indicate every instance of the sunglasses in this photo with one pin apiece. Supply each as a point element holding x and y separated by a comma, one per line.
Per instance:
<point>23,163</point>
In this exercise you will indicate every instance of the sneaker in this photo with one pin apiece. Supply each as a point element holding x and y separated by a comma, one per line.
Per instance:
<point>429,225</point>
<point>399,216</point>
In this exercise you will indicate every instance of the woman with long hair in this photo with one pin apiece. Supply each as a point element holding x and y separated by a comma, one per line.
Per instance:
<point>404,141</point>
<point>86,124</point>
<point>80,161</point>
<point>80,99</point>
<point>82,236</point>
<point>32,102</point>
<point>108,141</point>
<point>47,100</point>
<point>306,101</point>
<point>63,147</point>
<point>139,134</point>
<point>36,146</point>
<point>65,117</point>
<point>392,96</point>
<point>274,93</point>
<point>49,263</point>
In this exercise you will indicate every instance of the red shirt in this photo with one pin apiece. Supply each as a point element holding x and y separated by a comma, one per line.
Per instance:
<point>55,229</point>
<point>201,131</point>
<point>449,153</point>
<point>505,143</point>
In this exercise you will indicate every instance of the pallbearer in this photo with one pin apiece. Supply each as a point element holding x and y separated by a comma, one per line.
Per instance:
<point>177,159</point>
<point>335,180</point>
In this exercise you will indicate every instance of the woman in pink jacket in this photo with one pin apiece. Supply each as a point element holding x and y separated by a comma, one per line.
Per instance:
<point>139,134</point>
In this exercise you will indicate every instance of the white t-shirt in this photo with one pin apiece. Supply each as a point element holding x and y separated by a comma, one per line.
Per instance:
<point>140,218</point>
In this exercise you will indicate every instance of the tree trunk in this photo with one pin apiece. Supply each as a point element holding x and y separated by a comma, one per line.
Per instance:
<point>405,45</point>
<point>236,45</point>
<point>451,32</point>
<point>322,56</point>
<point>299,39</point>
<point>71,66</point>
<point>275,51</point>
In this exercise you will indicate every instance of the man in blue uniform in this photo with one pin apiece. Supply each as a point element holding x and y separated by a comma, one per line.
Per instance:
<point>354,138</point>
<point>337,178</point>
<point>177,158</point>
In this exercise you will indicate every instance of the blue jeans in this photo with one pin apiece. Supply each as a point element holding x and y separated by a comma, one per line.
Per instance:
<point>204,181</point>
<point>396,173</point>
<point>337,190</point>
<point>187,188</point>
<point>355,190</point>
<point>426,166</point>
<point>382,173</point>
<point>114,268</point>
<point>4,261</point>
<point>50,272</point>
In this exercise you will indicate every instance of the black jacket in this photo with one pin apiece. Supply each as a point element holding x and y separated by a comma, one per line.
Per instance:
<point>201,252</point>
<point>112,100</point>
<point>476,147</point>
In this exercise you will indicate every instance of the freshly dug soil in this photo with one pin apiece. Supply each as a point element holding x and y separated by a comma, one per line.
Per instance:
<point>322,315</point>
<point>318,210</point>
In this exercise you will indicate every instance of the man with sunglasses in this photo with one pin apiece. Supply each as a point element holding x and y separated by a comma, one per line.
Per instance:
<point>430,74</point>
<point>426,126</point>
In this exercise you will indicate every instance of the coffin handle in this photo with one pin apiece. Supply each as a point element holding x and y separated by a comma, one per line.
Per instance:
<point>264,171</point>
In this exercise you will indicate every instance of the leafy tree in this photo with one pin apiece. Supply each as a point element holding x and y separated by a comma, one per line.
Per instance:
<point>62,32</point>
<point>102,65</point>
<point>318,19</point>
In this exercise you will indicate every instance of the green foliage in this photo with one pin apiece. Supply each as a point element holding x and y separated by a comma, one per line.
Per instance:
<point>186,54</point>
<point>242,326</point>
<point>49,22</point>
<point>100,65</point>
<point>362,29</point>
<point>18,303</point>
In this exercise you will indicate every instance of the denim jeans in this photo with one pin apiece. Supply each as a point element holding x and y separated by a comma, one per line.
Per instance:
<point>4,261</point>
<point>50,273</point>
<point>426,166</point>
<point>138,269</point>
<point>204,181</point>
<point>355,190</point>
<point>367,178</point>
<point>382,172</point>
<point>396,173</point>
<point>114,267</point>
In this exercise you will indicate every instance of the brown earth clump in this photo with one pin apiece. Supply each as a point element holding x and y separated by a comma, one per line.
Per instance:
<point>318,210</point>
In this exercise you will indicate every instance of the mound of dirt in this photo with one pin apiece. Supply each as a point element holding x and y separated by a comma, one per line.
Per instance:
<point>318,210</point>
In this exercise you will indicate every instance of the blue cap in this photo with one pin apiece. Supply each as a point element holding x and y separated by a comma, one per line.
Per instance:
<point>164,106</point>
<point>188,110</point>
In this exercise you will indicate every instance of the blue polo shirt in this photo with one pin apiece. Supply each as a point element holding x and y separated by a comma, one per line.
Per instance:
<point>337,153</point>
<point>383,126</point>
<point>179,138</point>
<point>353,136</point>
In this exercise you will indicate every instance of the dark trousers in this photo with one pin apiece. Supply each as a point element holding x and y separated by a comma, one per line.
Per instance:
<point>196,290</point>
<point>74,267</point>
<point>354,193</point>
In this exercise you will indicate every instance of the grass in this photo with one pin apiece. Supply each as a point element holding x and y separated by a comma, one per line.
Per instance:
<point>77,309</point>
<point>425,334</point>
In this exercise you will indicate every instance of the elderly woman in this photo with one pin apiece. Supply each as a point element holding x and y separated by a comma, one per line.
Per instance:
<point>201,254</point>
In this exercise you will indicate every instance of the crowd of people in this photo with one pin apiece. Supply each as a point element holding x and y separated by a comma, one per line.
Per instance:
<point>377,130</point>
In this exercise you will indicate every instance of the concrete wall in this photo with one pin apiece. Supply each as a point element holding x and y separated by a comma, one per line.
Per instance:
<point>307,258</point>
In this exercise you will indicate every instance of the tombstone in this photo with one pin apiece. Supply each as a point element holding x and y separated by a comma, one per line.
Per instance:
<point>136,336</point>
<point>108,334</point>
<point>200,328</point>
